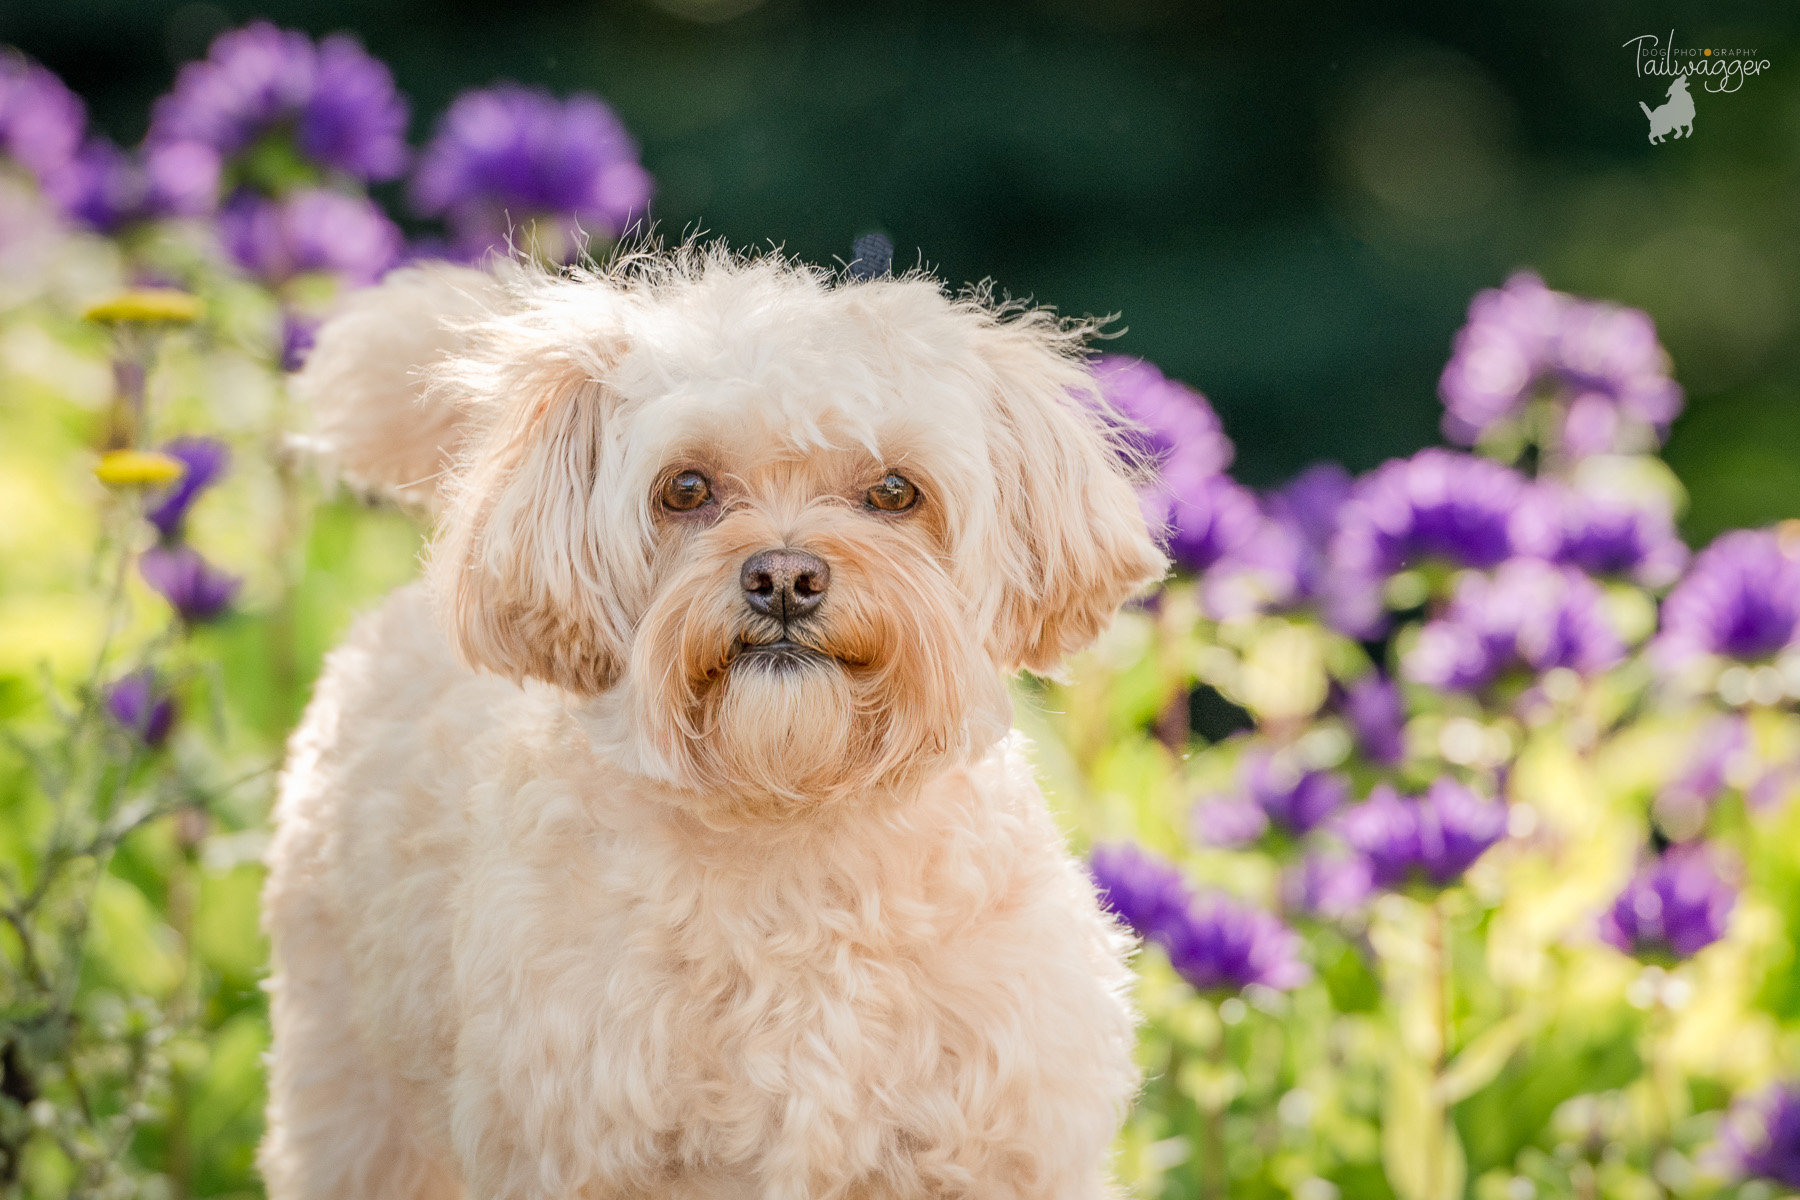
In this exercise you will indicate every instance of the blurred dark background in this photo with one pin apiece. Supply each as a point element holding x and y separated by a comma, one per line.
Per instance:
<point>1288,204</point>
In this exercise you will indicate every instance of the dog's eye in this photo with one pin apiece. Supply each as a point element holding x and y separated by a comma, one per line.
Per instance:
<point>686,492</point>
<point>893,494</point>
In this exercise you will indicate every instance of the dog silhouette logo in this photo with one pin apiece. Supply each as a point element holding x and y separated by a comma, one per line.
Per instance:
<point>1676,116</point>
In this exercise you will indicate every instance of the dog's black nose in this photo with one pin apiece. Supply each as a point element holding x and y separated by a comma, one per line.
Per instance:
<point>784,583</point>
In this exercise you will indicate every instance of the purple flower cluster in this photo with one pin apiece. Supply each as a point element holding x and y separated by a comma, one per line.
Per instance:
<point>1722,753</point>
<point>1430,839</point>
<point>1435,507</point>
<point>1740,600</point>
<point>311,230</point>
<point>1273,792</point>
<point>1285,561</point>
<point>259,85</point>
<point>274,136</point>
<point>1761,1136</point>
<point>1213,942</point>
<point>1374,709</point>
<point>1330,887</point>
<point>1600,364</point>
<point>1527,614</point>
<point>43,129</point>
<point>102,187</point>
<point>1675,906</point>
<point>1203,512</point>
<point>41,121</point>
<point>511,158</point>
<point>1601,536</point>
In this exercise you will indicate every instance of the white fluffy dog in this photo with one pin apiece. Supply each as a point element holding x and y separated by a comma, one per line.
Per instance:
<point>668,839</point>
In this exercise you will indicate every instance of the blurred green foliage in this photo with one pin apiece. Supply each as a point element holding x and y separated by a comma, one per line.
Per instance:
<point>173,918</point>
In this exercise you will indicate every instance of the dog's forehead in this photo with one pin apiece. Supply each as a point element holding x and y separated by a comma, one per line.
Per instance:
<point>805,367</point>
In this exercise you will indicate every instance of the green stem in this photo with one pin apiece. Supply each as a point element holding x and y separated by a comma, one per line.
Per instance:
<point>1666,1084</point>
<point>1438,979</point>
<point>1216,1177</point>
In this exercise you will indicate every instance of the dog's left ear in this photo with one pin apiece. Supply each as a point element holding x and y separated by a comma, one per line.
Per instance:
<point>1073,544</point>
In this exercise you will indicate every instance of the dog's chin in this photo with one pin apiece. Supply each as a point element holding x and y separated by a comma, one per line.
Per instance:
<point>776,727</point>
<point>783,729</point>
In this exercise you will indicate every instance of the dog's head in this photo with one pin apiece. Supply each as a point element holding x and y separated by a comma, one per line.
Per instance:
<point>791,532</point>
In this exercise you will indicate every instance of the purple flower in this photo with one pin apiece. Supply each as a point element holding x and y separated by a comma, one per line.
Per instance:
<point>511,156</point>
<point>1205,515</point>
<point>1722,752</point>
<point>1169,421</point>
<point>142,708</point>
<point>101,187</point>
<point>1761,1136</point>
<point>1284,562</point>
<point>1328,886</point>
<point>1273,791</point>
<point>355,120</point>
<point>1229,821</point>
<point>1740,599</point>
<point>198,591</point>
<point>1213,942</point>
<point>1148,892</point>
<point>41,121</point>
<point>1499,354</point>
<point>1312,501</point>
<point>1431,839</point>
<point>1528,613</point>
<point>1599,535</point>
<point>299,332</point>
<point>1675,905</point>
<point>1226,946</point>
<point>1267,568</point>
<point>1296,801</point>
<point>311,230</point>
<point>183,179</point>
<point>1601,364</point>
<point>1206,518</point>
<point>336,103</point>
<point>1437,506</point>
<point>1376,713</point>
<point>205,460</point>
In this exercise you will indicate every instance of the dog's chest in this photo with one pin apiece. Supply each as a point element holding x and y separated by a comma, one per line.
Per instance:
<point>707,1011</point>
<point>802,986</point>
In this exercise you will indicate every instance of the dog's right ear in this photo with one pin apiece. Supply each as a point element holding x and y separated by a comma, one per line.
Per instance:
<point>518,566</point>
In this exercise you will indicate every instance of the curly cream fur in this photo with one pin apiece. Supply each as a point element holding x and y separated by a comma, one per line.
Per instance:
<point>569,898</point>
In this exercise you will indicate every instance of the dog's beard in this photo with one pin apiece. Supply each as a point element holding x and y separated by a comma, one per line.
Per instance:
<point>881,687</point>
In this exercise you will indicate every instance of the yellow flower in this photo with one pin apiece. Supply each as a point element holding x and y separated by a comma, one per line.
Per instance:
<point>132,468</point>
<point>147,306</point>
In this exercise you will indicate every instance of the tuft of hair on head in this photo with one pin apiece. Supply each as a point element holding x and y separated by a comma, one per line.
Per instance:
<point>375,421</point>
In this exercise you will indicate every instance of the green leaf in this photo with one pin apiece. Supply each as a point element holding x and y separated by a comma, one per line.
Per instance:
<point>1419,1147</point>
<point>1482,1059</point>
